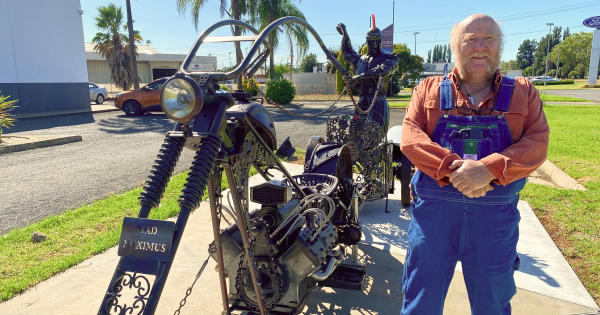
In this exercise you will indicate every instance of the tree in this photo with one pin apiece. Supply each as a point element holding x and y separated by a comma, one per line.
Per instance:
<point>429,56</point>
<point>449,59</point>
<point>540,54</point>
<point>525,54</point>
<point>308,63</point>
<point>264,12</point>
<point>575,53</point>
<point>114,45</point>
<point>409,65</point>
<point>237,9</point>
<point>136,84</point>
<point>444,53</point>
<point>527,71</point>
<point>328,65</point>
<point>566,33</point>
<point>279,70</point>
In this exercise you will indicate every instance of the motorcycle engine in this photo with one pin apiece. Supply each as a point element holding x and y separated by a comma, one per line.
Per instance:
<point>292,243</point>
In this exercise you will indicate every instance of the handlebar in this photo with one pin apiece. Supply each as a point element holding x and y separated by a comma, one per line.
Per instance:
<point>258,40</point>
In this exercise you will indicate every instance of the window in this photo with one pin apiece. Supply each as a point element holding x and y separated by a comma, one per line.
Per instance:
<point>156,85</point>
<point>93,86</point>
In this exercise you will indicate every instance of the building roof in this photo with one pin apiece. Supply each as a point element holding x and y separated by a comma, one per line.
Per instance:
<point>142,49</point>
<point>147,53</point>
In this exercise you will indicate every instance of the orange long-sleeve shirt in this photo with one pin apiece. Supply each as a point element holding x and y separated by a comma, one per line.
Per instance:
<point>525,118</point>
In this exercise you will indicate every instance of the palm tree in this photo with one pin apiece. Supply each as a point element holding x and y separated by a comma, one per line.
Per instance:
<point>136,84</point>
<point>237,9</point>
<point>264,12</point>
<point>114,45</point>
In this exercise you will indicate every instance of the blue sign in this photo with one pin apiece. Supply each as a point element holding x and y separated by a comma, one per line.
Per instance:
<point>592,22</point>
<point>387,39</point>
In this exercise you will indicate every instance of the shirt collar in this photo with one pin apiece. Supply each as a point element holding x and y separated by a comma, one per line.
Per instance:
<point>453,76</point>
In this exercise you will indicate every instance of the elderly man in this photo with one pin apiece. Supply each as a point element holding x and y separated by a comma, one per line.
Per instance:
<point>474,135</point>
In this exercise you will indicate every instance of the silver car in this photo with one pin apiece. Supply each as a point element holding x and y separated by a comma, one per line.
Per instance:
<point>97,93</point>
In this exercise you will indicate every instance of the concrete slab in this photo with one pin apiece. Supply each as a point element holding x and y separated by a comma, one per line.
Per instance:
<point>543,268</point>
<point>80,289</point>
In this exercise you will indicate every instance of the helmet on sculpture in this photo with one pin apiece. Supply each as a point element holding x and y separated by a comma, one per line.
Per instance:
<point>374,39</point>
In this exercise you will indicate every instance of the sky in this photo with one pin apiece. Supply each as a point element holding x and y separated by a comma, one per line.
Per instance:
<point>174,33</point>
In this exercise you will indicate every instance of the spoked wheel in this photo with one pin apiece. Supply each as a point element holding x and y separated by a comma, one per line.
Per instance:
<point>99,99</point>
<point>132,108</point>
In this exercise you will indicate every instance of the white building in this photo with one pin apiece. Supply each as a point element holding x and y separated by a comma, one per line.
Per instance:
<point>151,64</point>
<point>42,58</point>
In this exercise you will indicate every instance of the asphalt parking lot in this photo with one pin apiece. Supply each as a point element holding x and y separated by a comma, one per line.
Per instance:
<point>114,156</point>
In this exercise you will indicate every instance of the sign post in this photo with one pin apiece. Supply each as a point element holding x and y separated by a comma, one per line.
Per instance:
<point>594,22</point>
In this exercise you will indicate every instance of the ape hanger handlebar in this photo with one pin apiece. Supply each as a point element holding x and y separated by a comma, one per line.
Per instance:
<point>258,40</point>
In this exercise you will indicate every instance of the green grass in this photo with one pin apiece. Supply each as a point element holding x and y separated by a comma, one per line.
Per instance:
<point>574,146</point>
<point>74,236</point>
<point>398,104</point>
<point>556,98</point>
<point>575,86</point>
<point>404,97</point>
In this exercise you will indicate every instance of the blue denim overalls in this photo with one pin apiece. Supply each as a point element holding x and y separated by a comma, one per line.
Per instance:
<point>448,226</point>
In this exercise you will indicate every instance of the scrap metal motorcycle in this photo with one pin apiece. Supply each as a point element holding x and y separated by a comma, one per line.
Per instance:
<point>274,256</point>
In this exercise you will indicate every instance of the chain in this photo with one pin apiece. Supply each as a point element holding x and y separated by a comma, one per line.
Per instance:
<point>358,109</point>
<point>188,292</point>
<point>298,115</point>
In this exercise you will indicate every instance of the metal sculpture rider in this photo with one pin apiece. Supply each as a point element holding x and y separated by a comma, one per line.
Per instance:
<point>373,73</point>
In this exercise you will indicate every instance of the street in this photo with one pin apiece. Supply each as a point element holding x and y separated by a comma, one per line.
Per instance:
<point>116,155</point>
<point>586,94</point>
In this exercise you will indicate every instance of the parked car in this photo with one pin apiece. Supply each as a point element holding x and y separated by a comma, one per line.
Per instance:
<point>541,79</point>
<point>144,99</point>
<point>97,93</point>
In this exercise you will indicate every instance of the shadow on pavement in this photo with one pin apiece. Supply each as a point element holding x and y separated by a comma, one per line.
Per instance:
<point>31,124</point>
<point>123,124</point>
<point>535,266</point>
<point>381,294</point>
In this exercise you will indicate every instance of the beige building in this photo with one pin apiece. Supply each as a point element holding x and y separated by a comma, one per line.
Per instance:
<point>151,65</point>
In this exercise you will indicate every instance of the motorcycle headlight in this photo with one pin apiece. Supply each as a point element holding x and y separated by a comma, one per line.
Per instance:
<point>181,99</point>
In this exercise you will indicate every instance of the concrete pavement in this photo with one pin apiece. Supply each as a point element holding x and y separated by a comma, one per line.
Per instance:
<point>546,283</point>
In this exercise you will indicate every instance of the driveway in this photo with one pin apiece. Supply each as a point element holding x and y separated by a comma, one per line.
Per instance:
<point>116,155</point>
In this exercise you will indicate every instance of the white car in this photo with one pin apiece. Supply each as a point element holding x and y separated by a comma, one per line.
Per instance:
<point>541,79</point>
<point>97,93</point>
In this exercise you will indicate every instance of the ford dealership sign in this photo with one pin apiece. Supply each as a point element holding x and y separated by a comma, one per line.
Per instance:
<point>592,22</point>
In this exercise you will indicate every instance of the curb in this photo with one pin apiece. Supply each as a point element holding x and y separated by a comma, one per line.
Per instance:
<point>58,140</point>
<point>559,177</point>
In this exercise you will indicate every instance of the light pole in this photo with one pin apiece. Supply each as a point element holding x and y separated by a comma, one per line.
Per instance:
<point>558,57</point>
<point>230,60</point>
<point>547,52</point>
<point>416,33</point>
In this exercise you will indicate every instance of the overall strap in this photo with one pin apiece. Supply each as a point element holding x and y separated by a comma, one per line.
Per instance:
<point>446,92</point>
<point>505,93</point>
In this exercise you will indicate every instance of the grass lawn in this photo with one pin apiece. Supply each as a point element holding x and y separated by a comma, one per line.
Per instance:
<point>74,236</point>
<point>574,86</point>
<point>572,217</point>
<point>557,98</point>
<point>401,104</point>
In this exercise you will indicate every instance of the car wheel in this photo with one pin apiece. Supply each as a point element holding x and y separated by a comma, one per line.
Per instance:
<point>132,108</point>
<point>99,99</point>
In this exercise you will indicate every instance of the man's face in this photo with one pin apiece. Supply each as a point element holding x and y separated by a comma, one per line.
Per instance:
<point>479,48</point>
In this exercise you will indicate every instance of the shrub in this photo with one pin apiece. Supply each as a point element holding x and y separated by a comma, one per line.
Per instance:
<point>6,119</point>
<point>280,91</point>
<point>251,86</point>
<point>554,82</point>
<point>224,87</point>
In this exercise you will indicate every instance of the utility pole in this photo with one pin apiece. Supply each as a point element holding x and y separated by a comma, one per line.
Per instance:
<point>547,52</point>
<point>230,61</point>
<point>416,33</point>
<point>136,84</point>
<point>533,70</point>
<point>558,57</point>
<point>291,58</point>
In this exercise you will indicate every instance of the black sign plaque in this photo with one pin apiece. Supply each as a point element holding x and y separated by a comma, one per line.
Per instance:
<point>146,239</point>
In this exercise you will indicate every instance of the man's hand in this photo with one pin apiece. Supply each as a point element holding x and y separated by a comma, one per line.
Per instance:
<point>470,175</point>
<point>480,192</point>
